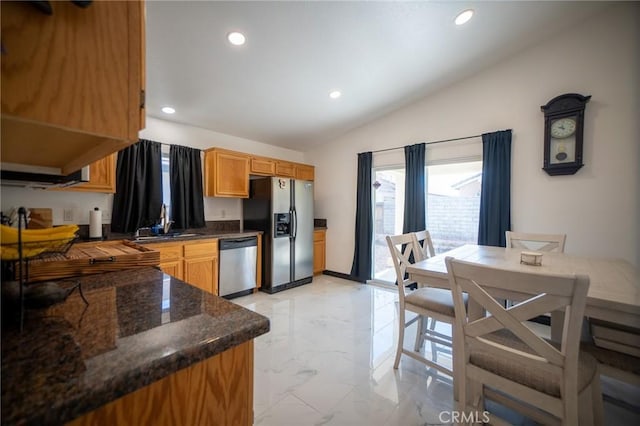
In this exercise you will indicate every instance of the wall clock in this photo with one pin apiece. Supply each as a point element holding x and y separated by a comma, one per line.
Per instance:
<point>563,133</point>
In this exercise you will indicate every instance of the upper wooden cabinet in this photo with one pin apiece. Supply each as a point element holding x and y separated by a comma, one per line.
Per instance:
<point>285,169</point>
<point>226,173</point>
<point>305,172</point>
<point>72,82</point>
<point>102,177</point>
<point>263,166</point>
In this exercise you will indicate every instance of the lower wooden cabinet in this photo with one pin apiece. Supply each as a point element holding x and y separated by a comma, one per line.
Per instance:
<point>216,391</point>
<point>201,265</point>
<point>319,251</point>
<point>195,262</point>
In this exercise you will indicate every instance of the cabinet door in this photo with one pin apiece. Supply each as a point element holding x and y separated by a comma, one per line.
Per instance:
<point>263,166</point>
<point>200,272</point>
<point>102,177</point>
<point>201,264</point>
<point>226,174</point>
<point>77,71</point>
<point>305,172</point>
<point>319,252</point>
<point>173,268</point>
<point>285,169</point>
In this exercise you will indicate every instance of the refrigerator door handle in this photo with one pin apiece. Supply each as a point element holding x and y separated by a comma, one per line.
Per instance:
<point>295,223</point>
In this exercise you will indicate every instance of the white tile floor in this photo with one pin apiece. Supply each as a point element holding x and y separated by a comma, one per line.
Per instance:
<point>328,360</point>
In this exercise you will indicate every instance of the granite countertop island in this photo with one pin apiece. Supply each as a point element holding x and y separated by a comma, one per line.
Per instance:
<point>140,326</point>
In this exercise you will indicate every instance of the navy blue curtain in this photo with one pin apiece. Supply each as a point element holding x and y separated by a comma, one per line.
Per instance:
<point>414,189</point>
<point>361,266</point>
<point>187,202</point>
<point>138,198</point>
<point>495,198</point>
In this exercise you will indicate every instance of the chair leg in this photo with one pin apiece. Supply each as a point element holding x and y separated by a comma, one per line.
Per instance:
<point>596,400</point>
<point>401,324</point>
<point>585,416</point>
<point>420,333</point>
<point>434,347</point>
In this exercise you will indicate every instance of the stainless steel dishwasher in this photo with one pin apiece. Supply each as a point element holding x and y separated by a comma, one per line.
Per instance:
<point>237,266</point>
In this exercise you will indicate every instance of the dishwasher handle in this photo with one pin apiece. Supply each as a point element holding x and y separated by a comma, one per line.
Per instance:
<point>236,243</point>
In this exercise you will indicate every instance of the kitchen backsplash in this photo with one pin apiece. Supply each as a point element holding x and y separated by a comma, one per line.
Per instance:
<point>211,226</point>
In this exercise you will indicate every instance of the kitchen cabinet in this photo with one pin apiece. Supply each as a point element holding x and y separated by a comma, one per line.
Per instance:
<point>195,262</point>
<point>216,391</point>
<point>285,169</point>
<point>171,258</point>
<point>319,251</point>
<point>72,82</point>
<point>263,166</point>
<point>201,265</point>
<point>226,173</point>
<point>102,177</point>
<point>304,172</point>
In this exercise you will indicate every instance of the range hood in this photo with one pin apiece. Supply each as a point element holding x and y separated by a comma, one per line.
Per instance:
<point>24,176</point>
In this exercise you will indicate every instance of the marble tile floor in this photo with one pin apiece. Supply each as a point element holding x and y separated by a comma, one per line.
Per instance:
<point>328,360</point>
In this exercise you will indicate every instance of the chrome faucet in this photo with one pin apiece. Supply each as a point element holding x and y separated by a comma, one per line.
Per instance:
<point>165,223</point>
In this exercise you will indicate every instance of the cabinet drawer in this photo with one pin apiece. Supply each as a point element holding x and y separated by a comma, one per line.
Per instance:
<point>319,235</point>
<point>168,252</point>
<point>208,249</point>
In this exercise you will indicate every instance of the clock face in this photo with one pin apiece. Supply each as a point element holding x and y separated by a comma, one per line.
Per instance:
<point>563,127</point>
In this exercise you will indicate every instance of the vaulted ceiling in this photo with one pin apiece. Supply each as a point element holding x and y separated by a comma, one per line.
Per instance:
<point>380,55</point>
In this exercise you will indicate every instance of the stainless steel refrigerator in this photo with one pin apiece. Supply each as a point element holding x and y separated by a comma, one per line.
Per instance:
<point>283,210</point>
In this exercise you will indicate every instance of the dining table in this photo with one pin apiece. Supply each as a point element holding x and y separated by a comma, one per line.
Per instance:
<point>614,290</point>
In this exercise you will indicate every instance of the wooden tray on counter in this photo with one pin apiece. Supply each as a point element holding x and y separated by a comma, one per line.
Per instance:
<point>92,258</point>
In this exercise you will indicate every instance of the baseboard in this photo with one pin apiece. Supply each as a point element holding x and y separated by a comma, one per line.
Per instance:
<point>341,275</point>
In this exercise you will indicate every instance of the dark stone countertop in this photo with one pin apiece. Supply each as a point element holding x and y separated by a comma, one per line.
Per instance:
<point>140,326</point>
<point>198,236</point>
<point>191,235</point>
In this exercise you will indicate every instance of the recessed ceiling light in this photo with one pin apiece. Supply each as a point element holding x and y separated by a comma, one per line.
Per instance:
<point>464,17</point>
<point>168,110</point>
<point>335,94</point>
<point>236,38</point>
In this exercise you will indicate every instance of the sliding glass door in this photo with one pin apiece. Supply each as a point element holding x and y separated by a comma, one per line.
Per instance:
<point>452,209</point>
<point>388,211</point>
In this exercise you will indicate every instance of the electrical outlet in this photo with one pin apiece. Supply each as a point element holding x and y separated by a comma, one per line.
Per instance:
<point>223,213</point>
<point>106,216</point>
<point>67,215</point>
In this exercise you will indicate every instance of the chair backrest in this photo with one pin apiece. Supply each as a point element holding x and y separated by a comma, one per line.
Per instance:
<point>402,247</point>
<point>539,293</point>
<point>424,245</point>
<point>537,242</point>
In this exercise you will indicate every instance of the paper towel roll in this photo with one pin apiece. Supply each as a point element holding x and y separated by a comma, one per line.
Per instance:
<point>95,223</point>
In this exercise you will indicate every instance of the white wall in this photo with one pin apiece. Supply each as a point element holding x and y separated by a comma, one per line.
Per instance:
<point>598,208</point>
<point>161,131</point>
<point>215,208</point>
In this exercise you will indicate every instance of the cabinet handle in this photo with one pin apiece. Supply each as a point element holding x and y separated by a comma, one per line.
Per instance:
<point>93,261</point>
<point>143,97</point>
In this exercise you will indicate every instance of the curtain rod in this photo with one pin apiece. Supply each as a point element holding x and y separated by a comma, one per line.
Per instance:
<point>432,142</point>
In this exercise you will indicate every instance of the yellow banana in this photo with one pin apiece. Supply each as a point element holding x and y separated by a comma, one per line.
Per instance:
<point>9,235</point>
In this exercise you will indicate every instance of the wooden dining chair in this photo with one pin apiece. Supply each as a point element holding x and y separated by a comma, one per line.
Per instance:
<point>536,242</point>
<point>423,301</point>
<point>505,361</point>
<point>617,349</point>
<point>424,250</point>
